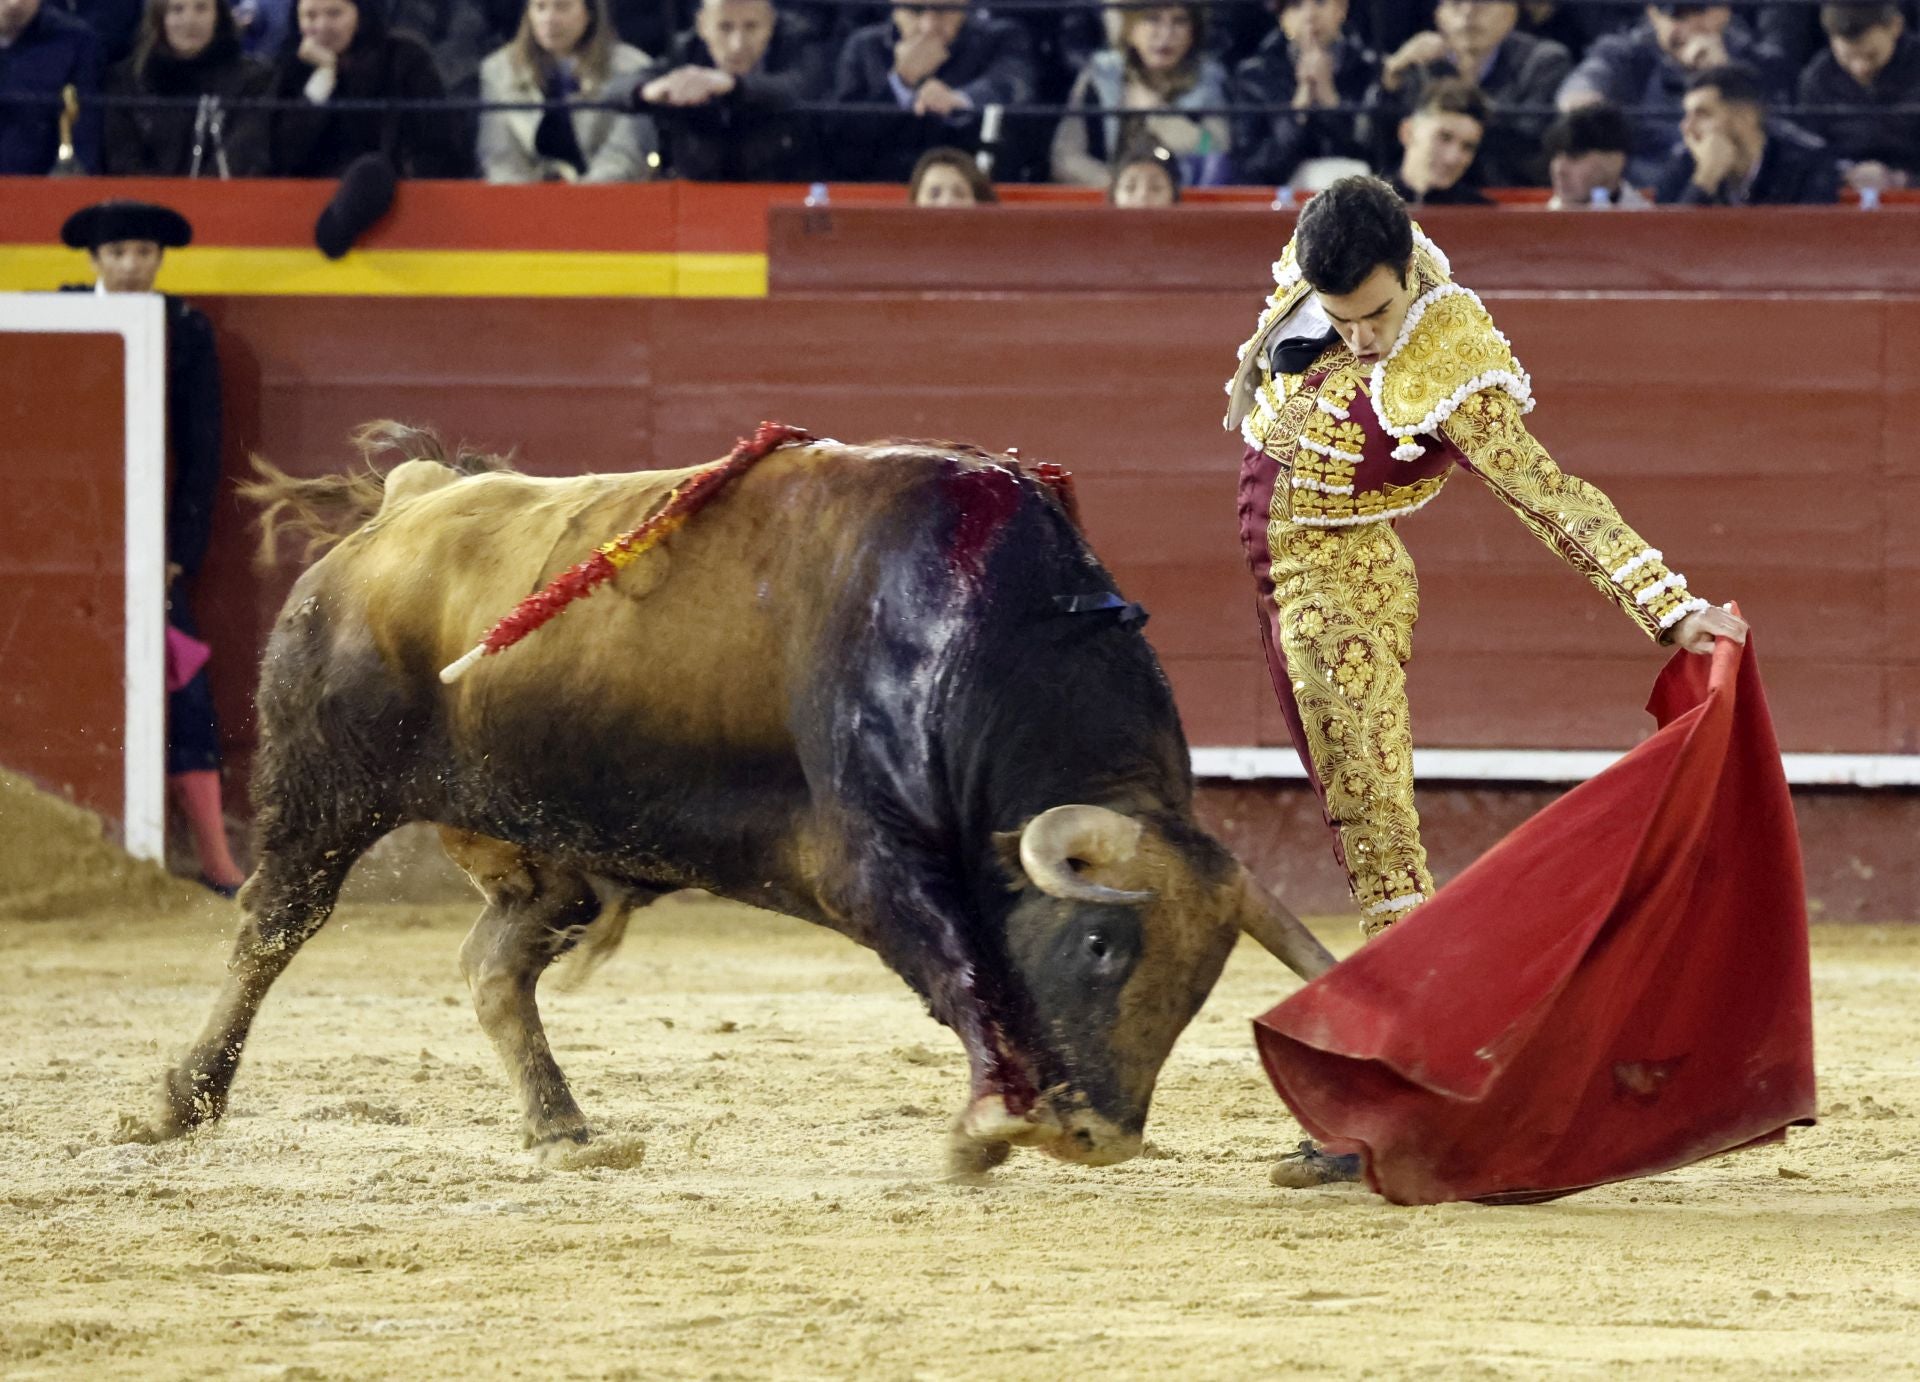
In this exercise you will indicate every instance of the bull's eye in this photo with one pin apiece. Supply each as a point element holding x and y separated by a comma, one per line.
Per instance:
<point>1098,945</point>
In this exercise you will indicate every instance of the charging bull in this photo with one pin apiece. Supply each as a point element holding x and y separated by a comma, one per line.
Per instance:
<point>885,688</point>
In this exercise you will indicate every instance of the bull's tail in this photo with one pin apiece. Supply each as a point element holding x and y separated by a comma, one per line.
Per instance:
<point>323,509</point>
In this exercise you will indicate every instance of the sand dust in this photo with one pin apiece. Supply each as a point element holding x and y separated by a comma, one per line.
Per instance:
<point>771,1204</point>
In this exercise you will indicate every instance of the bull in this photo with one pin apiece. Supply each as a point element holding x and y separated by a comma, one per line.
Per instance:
<point>887,689</point>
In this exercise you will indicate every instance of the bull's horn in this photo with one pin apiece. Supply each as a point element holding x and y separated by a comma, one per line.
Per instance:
<point>1092,833</point>
<point>1280,931</point>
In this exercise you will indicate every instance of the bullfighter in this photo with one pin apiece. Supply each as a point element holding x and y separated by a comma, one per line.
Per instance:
<point>1372,375</point>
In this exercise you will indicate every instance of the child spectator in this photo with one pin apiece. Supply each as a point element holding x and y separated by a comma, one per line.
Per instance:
<point>938,69</point>
<point>949,177</point>
<point>1157,60</point>
<point>1438,144</point>
<point>1732,157</point>
<point>187,48</point>
<point>43,50</point>
<point>1477,41</point>
<point>1310,66</point>
<point>723,97</point>
<point>1871,63</point>
<point>565,53</point>
<point>1148,178</point>
<point>346,51</point>
<point>1649,66</point>
<point>1587,153</point>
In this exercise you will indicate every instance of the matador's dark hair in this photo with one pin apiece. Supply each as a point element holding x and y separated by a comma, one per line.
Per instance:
<point>1348,231</point>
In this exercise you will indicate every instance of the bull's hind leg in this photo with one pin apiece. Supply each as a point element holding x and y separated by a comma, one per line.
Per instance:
<point>288,899</point>
<point>536,910</point>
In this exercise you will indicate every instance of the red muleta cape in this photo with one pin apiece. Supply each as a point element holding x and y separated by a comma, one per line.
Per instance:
<point>1618,988</point>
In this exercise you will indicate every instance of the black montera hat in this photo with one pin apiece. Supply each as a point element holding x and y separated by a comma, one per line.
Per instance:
<point>363,197</point>
<point>105,222</point>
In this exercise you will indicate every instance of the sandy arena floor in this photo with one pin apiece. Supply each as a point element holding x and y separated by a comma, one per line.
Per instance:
<point>366,1211</point>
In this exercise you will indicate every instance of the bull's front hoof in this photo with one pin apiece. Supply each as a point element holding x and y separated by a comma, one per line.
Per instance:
<point>550,1141</point>
<point>1309,1166</point>
<point>185,1104</point>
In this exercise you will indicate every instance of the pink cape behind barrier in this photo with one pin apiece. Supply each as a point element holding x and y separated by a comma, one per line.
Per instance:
<point>1618,988</point>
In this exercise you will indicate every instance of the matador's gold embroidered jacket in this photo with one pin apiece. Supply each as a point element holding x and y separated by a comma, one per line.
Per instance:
<point>1359,448</point>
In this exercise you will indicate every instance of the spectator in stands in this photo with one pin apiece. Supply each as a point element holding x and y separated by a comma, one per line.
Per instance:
<point>1797,32</point>
<point>1386,24</point>
<point>650,25</point>
<point>949,177</point>
<point>1476,41</point>
<point>1732,157</point>
<point>127,242</point>
<point>1146,178</point>
<point>187,48</point>
<point>1650,65</point>
<point>266,27</point>
<point>1587,152</point>
<point>1157,61</point>
<point>43,49</point>
<point>1309,66</point>
<point>565,53</point>
<point>459,34</point>
<point>346,51</point>
<point>1871,63</point>
<point>1438,144</point>
<point>723,97</point>
<point>939,69</point>
<point>116,23</point>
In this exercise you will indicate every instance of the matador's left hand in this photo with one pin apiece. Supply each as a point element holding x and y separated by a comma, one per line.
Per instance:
<point>1697,631</point>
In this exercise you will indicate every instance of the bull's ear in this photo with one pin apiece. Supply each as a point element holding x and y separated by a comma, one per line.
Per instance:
<point>1006,847</point>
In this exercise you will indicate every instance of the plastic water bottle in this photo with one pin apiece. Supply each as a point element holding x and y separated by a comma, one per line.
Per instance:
<point>1283,198</point>
<point>817,194</point>
<point>1869,198</point>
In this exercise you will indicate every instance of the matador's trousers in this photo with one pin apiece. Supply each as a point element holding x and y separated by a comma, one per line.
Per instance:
<point>1337,608</point>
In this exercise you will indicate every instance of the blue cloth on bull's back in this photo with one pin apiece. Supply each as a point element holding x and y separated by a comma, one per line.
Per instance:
<point>53,51</point>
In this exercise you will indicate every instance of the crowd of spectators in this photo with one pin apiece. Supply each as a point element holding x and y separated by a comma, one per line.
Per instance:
<point>1602,103</point>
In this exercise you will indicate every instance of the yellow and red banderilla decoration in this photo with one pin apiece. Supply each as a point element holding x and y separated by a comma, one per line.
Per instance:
<point>584,577</point>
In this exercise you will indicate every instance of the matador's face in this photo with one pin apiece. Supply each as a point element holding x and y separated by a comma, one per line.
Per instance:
<point>1370,317</point>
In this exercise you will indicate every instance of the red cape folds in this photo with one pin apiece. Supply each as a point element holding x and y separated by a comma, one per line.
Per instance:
<point>1618,988</point>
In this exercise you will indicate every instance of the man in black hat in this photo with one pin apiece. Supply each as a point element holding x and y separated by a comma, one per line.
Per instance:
<point>127,241</point>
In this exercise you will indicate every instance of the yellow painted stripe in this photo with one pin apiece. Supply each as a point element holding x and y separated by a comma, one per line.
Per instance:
<point>212,270</point>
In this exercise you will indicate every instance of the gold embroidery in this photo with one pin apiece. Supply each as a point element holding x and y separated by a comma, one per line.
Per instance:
<point>1347,599</point>
<point>1565,512</point>
<point>1453,344</point>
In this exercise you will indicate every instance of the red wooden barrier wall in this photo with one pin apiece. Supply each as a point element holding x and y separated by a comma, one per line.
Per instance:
<point>1761,440</point>
<point>63,421</point>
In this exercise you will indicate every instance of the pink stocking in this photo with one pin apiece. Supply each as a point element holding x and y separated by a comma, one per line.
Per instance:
<point>198,794</point>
